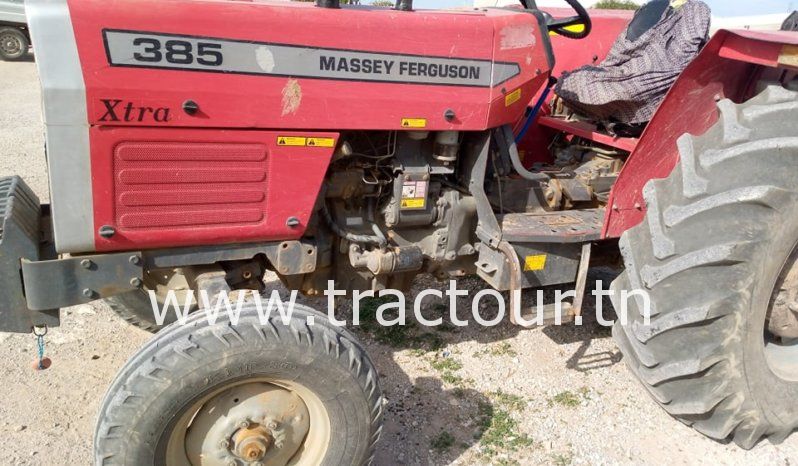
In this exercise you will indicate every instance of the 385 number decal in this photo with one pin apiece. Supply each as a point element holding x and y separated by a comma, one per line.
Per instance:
<point>177,52</point>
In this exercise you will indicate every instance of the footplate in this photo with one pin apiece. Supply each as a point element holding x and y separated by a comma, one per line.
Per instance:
<point>20,232</point>
<point>572,226</point>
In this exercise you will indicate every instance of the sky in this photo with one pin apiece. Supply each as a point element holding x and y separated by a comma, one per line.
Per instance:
<point>725,8</point>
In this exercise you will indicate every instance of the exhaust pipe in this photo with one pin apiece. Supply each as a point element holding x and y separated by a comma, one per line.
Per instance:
<point>404,5</point>
<point>328,3</point>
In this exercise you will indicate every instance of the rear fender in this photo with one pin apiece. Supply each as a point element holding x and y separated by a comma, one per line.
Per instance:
<point>729,67</point>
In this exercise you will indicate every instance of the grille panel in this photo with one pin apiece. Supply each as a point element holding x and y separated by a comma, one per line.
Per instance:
<point>168,185</point>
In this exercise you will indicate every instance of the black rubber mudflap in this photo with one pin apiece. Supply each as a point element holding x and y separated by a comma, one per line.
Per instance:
<point>20,215</point>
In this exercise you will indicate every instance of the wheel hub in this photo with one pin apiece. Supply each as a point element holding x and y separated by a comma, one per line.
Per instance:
<point>251,444</point>
<point>9,44</point>
<point>253,424</point>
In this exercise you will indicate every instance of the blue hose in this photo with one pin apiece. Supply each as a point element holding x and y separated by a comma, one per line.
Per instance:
<point>535,110</point>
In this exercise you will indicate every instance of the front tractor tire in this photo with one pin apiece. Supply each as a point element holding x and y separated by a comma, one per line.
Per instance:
<point>243,393</point>
<point>717,255</point>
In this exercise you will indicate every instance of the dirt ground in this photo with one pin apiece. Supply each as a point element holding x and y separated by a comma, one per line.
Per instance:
<point>472,396</point>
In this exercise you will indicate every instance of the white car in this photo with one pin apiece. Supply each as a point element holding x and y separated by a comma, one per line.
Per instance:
<point>14,36</point>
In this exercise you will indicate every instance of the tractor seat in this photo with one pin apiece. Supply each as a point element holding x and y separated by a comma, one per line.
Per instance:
<point>624,91</point>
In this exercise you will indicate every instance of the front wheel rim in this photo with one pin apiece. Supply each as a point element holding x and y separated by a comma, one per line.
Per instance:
<point>257,421</point>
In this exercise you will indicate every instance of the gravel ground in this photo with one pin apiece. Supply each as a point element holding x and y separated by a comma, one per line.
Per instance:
<point>455,396</point>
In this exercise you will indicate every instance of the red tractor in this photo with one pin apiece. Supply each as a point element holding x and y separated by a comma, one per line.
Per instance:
<point>193,145</point>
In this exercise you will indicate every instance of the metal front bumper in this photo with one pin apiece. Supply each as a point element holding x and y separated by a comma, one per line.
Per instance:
<point>20,235</point>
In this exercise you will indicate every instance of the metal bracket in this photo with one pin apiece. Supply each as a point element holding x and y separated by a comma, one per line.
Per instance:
<point>58,283</point>
<point>287,257</point>
<point>209,279</point>
<point>581,279</point>
<point>293,257</point>
<point>476,164</point>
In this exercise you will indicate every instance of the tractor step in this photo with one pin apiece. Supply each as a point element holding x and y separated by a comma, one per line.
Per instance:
<point>20,233</point>
<point>575,226</point>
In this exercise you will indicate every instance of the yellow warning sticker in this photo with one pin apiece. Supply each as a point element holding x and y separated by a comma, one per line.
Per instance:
<point>414,194</point>
<point>321,142</point>
<point>512,97</point>
<point>301,141</point>
<point>534,263</point>
<point>417,203</point>
<point>291,141</point>
<point>414,122</point>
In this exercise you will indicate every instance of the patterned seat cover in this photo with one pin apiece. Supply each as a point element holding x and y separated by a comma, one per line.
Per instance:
<point>628,86</point>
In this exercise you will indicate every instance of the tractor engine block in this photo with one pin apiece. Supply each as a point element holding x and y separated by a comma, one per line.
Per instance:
<point>400,188</point>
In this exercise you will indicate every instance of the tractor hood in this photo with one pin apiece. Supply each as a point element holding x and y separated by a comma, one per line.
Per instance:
<point>294,65</point>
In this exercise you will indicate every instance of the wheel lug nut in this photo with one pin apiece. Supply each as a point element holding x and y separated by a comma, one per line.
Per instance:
<point>224,444</point>
<point>272,425</point>
<point>243,424</point>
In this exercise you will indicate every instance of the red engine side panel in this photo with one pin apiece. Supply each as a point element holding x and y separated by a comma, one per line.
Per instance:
<point>179,187</point>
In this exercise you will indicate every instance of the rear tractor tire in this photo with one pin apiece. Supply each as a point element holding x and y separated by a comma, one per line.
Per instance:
<point>243,393</point>
<point>717,255</point>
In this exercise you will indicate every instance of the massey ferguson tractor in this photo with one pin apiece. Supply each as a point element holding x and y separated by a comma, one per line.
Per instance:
<point>194,145</point>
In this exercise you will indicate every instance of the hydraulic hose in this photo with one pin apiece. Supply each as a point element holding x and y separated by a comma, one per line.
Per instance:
<point>533,114</point>
<point>506,142</point>
<point>353,237</point>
